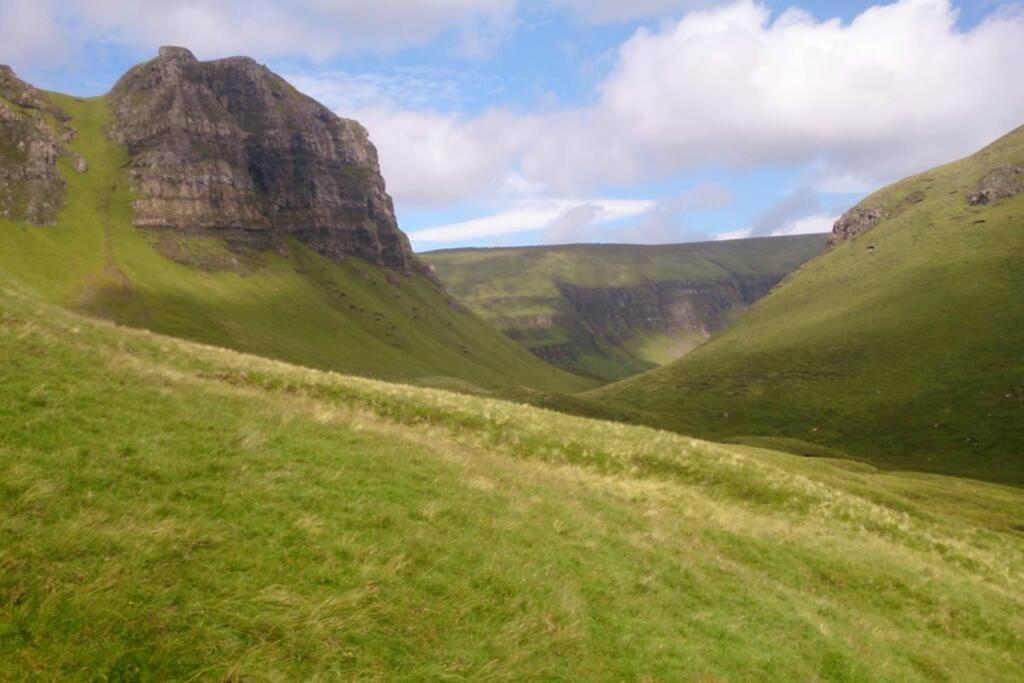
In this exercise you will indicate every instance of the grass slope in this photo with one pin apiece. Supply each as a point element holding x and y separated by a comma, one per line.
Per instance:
<point>902,347</point>
<point>515,288</point>
<point>170,511</point>
<point>351,317</point>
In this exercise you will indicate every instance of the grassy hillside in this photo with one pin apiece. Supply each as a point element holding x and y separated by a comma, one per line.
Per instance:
<point>171,511</point>
<point>902,347</point>
<point>295,305</point>
<point>522,292</point>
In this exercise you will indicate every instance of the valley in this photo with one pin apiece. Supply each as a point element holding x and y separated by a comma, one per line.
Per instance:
<point>608,311</point>
<point>248,433</point>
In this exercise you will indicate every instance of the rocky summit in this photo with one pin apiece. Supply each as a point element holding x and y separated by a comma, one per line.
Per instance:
<point>229,148</point>
<point>213,201</point>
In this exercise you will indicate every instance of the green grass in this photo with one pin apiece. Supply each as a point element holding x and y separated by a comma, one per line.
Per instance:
<point>351,317</point>
<point>901,348</point>
<point>172,511</point>
<point>518,290</point>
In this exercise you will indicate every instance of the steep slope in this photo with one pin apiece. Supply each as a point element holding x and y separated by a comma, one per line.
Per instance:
<point>902,345</point>
<point>225,223</point>
<point>176,512</point>
<point>613,310</point>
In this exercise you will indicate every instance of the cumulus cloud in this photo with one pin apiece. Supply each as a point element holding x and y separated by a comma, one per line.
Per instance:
<point>665,223</point>
<point>808,225</point>
<point>29,30</point>
<point>898,89</point>
<point>557,214</point>
<point>435,158</point>
<point>266,28</point>
<point>799,212</point>
<point>572,225</point>
<point>430,154</point>
<point>798,204</point>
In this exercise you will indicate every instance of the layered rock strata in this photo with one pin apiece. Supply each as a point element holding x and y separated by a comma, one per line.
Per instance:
<point>228,147</point>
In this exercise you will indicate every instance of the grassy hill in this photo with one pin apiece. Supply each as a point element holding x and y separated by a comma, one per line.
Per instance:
<point>613,310</point>
<point>173,511</point>
<point>296,305</point>
<point>903,347</point>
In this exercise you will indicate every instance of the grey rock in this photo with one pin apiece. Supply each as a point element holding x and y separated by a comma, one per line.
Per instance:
<point>854,223</point>
<point>79,162</point>
<point>998,184</point>
<point>32,131</point>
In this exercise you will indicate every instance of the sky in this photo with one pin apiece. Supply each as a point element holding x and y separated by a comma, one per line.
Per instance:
<point>514,122</point>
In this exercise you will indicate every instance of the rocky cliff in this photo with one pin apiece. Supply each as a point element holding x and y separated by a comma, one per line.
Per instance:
<point>227,147</point>
<point>32,136</point>
<point>619,313</point>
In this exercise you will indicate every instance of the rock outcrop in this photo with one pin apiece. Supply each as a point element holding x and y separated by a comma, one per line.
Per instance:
<point>227,147</point>
<point>854,223</point>
<point>998,184</point>
<point>32,136</point>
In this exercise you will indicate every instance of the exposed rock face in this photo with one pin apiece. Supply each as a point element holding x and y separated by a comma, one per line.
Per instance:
<point>998,184</point>
<point>230,148</point>
<point>32,133</point>
<point>615,315</point>
<point>853,223</point>
<point>618,313</point>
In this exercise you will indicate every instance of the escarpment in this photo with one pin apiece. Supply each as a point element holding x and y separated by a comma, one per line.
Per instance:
<point>619,313</point>
<point>227,147</point>
<point>32,136</point>
<point>599,319</point>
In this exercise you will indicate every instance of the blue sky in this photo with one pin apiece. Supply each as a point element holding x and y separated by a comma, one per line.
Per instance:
<point>506,122</point>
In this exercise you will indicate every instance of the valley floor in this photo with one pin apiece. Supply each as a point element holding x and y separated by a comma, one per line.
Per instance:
<point>175,511</point>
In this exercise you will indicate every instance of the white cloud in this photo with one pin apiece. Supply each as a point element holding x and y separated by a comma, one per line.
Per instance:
<point>572,225</point>
<point>535,215</point>
<point>603,11</point>
<point>29,31</point>
<point>434,158</point>
<point>734,235</point>
<point>431,157</point>
<point>664,223</point>
<point>898,89</point>
<point>266,28</point>
<point>800,203</point>
<point>808,225</point>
